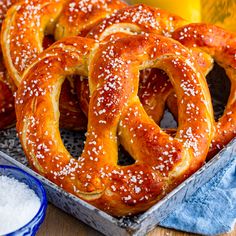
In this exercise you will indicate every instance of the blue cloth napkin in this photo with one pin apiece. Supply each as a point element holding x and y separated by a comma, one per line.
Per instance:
<point>212,209</point>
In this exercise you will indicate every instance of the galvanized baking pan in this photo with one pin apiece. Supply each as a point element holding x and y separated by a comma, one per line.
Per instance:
<point>12,154</point>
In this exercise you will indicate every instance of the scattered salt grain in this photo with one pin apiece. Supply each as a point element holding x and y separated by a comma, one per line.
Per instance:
<point>18,204</point>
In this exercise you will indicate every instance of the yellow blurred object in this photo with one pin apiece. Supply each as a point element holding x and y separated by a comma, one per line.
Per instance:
<point>187,9</point>
<point>220,12</point>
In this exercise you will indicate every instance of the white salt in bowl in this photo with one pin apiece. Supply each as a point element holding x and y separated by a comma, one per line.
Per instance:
<point>23,204</point>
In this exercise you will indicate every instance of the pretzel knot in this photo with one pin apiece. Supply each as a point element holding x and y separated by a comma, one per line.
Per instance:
<point>155,88</point>
<point>115,115</point>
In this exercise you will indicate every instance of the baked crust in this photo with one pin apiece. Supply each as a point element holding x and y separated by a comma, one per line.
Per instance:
<point>23,33</point>
<point>115,113</point>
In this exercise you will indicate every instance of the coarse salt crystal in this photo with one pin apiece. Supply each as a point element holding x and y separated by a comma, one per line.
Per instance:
<point>18,204</point>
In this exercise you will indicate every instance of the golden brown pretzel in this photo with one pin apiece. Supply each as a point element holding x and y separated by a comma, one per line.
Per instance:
<point>154,98</point>
<point>162,162</point>
<point>137,19</point>
<point>221,45</point>
<point>23,33</point>
<point>4,6</point>
<point>80,16</point>
<point>140,19</point>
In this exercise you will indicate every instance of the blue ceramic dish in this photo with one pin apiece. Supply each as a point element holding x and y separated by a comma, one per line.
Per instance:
<point>31,227</point>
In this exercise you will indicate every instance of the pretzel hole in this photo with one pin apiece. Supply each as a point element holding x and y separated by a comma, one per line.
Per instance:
<point>168,120</point>
<point>219,86</point>
<point>154,89</point>
<point>74,143</point>
<point>48,40</point>
<point>71,115</point>
<point>124,158</point>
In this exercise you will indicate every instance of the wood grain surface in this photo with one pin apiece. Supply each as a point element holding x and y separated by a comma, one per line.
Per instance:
<point>58,223</point>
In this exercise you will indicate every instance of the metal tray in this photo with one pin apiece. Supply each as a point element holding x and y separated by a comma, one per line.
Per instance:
<point>12,154</point>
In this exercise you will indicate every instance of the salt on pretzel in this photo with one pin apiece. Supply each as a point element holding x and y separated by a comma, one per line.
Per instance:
<point>137,19</point>
<point>205,43</point>
<point>80,16</point>
<point>221,45</point>
<point>24,28</point>
<point>4,6</point>
<point>140,19</point>
<point>162,162</point>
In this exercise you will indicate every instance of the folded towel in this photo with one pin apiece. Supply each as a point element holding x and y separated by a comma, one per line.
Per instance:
<point>212,209</point>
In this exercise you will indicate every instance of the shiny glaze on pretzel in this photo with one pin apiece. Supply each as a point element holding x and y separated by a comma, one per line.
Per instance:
<point>4,6</point>
<point>137,19</point>
<point>155,89</point>
<point>206,43</point>
<point>161,162</point>
<point>26,25</point>
<point>134,20</point>
<point>221,45</point>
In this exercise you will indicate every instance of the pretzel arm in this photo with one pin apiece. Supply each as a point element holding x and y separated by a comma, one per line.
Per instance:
<point>79,17</point>
<point>221,45</point>
<point>23,33</point>
<point>37,106</point>
<point>140,19</point>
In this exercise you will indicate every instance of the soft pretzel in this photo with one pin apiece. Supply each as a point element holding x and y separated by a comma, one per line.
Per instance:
<point>162,162</point>
<point>137,19</point>
<point>24,28</point>
<point>4,6</point>
<point>154,89</point>
<point>208,41</point>
<point>220,45</point>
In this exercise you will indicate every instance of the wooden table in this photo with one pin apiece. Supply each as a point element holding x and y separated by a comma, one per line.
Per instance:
<point>58,223</point>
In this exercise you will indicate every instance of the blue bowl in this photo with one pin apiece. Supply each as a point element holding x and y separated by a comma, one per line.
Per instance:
<point>31,227</point>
